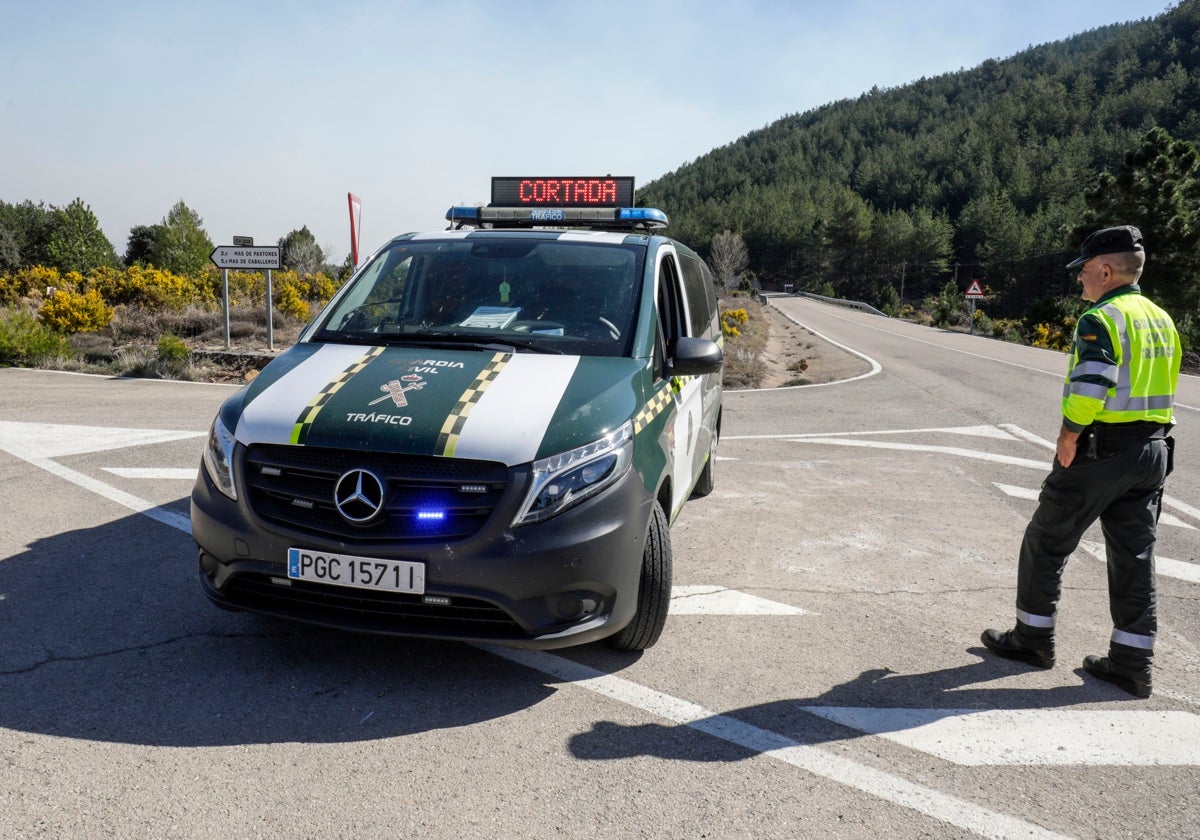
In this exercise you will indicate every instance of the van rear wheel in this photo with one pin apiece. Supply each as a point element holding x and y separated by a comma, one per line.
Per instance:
<point>654,588</point>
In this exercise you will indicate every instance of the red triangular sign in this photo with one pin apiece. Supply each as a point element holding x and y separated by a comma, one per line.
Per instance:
<point>974,290</point>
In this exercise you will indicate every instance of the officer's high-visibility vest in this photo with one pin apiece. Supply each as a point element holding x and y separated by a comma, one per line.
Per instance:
<point>1147,351</point>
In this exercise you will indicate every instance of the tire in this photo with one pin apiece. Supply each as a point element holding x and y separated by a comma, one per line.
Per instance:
<point>708,475</point>
<point>654,588</point>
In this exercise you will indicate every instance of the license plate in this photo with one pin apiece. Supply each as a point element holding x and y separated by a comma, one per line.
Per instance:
<point>357,572</point>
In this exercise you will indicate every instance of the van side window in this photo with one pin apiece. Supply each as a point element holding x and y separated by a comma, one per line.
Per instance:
<point>671,317</point>
<point>701,297</point>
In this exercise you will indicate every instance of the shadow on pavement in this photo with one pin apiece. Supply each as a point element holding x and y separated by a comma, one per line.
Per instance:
<point>105,635</point>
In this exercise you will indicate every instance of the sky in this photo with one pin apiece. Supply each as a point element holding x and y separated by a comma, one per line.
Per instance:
<point>262,116</point>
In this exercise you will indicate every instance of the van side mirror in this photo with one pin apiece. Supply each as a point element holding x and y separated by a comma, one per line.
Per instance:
<point>695,357</point>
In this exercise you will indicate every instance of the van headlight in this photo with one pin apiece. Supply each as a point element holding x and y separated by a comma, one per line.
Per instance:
<point>565,479</point>
<point>218,458</point>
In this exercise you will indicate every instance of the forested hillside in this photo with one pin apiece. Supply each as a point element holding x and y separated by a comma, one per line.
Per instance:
<point>993,173</point>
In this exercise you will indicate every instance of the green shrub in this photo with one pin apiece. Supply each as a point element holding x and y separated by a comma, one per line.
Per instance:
<point>888,301</point>
<point>26,341</point>
<point>1007,329</point>
<point>945,308</point>
<point>172,348</point>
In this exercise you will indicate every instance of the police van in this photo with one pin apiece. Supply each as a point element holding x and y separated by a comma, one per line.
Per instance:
<point>484,436</point>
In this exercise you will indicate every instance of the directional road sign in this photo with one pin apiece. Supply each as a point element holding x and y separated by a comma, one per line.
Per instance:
<point>253,259</point>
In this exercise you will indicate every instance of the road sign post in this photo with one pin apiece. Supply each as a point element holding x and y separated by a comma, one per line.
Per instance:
<point>974,293</point>
<point>247,257</point>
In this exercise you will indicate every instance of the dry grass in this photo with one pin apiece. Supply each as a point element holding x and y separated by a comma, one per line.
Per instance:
<point>744,365</point>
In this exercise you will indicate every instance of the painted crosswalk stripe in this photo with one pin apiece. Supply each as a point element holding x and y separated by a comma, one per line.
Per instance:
<point>828,764</point>
<point>1040,737</point>
<point>171,473</point>
<point>718,600</point>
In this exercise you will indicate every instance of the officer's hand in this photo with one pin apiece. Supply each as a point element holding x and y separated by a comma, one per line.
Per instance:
<point>1068,442</point>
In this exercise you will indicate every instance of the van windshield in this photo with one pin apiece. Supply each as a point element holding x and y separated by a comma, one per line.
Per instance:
<point>536,293</point>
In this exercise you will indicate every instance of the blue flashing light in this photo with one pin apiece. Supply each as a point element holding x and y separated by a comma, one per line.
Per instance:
<point>646,215</point>
<point>431,516</point>
<point>463,214</point>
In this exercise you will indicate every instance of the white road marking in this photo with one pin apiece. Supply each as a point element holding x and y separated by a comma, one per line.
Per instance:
<point>38,443</point>
<point>997,432</point>
<point>1169,501</point>
<point>1005,429</point>
<point>941,450</point>
<point>170,473</point>
<point>1029,437</point>
<point>933,803</point>
<point>958,812</point>
<point>1018,492</point>
<point>50,440</point>
<point>1032,737</point>
<point>717,600</point>
<point>113,494</point>
<point>1032,495</point>
<point>1162,566</point>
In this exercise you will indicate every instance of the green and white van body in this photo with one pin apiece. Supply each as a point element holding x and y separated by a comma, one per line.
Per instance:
<point>484,436</point>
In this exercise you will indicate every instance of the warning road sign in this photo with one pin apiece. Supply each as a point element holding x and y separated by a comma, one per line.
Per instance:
<point>975,290</point>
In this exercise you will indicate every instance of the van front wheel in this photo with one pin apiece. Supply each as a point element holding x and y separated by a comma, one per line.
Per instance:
<point>654,588</point>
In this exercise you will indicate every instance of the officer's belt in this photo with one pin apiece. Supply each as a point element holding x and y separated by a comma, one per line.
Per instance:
<point>1130,431</point>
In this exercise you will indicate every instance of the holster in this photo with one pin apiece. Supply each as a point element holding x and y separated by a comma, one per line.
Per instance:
<point>1091,441</point>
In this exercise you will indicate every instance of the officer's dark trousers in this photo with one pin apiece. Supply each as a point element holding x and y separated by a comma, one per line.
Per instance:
<point>1122,487</point>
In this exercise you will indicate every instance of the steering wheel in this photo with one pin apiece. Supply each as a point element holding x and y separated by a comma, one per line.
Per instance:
<point>612,328</point>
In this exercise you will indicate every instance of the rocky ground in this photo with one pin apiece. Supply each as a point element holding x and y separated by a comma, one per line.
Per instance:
<point>795,356</point>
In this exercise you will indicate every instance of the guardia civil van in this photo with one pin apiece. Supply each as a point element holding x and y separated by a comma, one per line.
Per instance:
<point>484,436</point>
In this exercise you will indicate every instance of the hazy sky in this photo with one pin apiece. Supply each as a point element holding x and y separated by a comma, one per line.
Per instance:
<point>261,116</point>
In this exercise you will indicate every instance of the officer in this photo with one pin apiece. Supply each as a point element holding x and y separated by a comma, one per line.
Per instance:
<point>1113,456</point>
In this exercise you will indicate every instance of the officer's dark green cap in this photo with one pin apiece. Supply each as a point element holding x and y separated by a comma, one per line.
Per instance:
<point>1113,240</point>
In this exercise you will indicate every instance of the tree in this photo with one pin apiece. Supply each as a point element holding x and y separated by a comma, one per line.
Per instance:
<point>299,252</point>
<point>728,259</point>
<point>76,242</point>
<point>10,254</point>
<point>140,248</point>
<point>30,225</point>
<point>1158,191</point>
<point>181,244</point>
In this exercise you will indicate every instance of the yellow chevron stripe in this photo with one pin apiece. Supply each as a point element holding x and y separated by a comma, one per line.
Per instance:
<point>309,415</point>
<point>657,404</point>
<point>451,429</point>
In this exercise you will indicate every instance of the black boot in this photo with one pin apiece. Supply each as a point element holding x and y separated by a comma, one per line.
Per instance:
<point>1011,646</point>
<point>1134,680</point>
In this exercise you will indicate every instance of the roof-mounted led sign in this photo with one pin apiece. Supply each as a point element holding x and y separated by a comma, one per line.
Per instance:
<point>604,191</point>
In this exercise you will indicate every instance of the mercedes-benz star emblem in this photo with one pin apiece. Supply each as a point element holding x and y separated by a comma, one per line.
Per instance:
<point>358,495</point>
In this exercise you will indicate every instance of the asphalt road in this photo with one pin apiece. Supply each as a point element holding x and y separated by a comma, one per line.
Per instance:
<point>820,674</point>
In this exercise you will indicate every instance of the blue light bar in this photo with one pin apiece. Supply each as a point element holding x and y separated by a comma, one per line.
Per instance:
<point>607,218</point>
<point>431,516</point>
<point>463,214</point>
<point>645,215</point>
